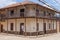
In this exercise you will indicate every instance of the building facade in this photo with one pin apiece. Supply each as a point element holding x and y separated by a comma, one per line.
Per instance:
<point>28,18</point>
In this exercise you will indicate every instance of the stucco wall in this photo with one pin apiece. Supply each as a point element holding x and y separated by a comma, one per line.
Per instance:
<point>4,25</point>
<point>40,21</point>
<point>30,24</point>
<point>18,24</point>
<point>57,26</point>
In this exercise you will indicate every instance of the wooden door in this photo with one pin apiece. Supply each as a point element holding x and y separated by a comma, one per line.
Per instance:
<point>1,28</point>
<point>44,28</point>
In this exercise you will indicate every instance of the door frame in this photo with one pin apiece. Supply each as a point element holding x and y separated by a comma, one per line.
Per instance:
<point>21,30</point>
<point>44,28</point>
<point>1,28</point>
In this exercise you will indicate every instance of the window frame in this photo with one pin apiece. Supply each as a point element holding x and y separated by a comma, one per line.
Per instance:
<point>11,12</point>
<point>22,12</point>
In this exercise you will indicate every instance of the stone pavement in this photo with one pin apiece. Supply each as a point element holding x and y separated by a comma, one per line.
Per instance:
<point>4,36</point>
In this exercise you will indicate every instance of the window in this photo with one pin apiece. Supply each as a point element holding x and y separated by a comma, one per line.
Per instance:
<point>11,25</point>
<point>37,12</point>
<point>44,13</point>
<point>22,12</point>
<point>49,14</point>
<point>12,12</point>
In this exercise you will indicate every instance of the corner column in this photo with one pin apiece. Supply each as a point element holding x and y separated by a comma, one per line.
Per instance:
<point>56,26</point>
<point>7,26</point>
<point>0,27</point>
<point>15,26</point>
<point>25,28</point>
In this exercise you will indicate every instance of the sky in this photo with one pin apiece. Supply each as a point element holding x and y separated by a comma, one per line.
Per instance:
<point>54,3</point>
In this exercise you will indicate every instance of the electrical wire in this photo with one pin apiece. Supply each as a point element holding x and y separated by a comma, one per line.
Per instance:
<point>57,2</point>
<point>44,2</point>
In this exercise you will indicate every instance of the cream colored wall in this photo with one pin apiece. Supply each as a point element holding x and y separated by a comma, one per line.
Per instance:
<point>18,24</point>
<point>29,11</point>
<point>11,21</point>
<point>57,26</point>
<point>18,10</point>
<point>4,25</point>
<point>46,21</point>
<point>32,10</point>
<point>40,21</point>
<point>47,24</point>
<point>30,24</point>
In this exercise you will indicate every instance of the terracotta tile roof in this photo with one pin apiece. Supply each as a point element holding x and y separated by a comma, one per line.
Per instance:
<point>24,3</point>
<point>19,3</point>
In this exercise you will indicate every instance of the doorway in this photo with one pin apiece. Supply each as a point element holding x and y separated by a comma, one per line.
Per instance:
<point>44,25</point>
<point>21,28</point>
<point>1,28</point>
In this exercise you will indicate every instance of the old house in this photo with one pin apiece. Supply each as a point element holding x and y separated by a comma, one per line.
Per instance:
<point>28,18</point>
